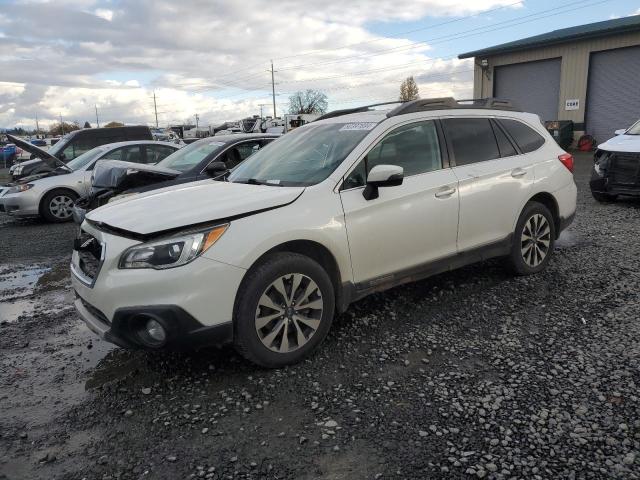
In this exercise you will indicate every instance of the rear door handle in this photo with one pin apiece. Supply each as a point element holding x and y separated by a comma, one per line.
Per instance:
<point>445,192</point>
<point>518,172</point>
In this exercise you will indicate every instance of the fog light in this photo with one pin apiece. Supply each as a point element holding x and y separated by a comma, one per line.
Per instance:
<point>155,331</point>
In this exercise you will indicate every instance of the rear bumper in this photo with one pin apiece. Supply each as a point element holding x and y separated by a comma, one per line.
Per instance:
<point>126,330</point>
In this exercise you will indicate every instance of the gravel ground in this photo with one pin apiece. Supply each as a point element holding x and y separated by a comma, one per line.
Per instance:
<point>470,374</point>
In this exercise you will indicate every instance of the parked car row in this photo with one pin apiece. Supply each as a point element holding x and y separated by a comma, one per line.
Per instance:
<point>262,249</point>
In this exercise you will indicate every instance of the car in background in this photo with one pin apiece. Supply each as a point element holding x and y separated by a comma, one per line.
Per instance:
<point>204,159</point>
<point>8,154</point>
<point>73,145</point>
<point>52,194</point>
<point>616,166</point>
<point>39,142</point>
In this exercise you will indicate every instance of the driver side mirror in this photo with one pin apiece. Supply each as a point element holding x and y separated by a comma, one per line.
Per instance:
<point>382,176</point>
<point>620,132</point>
<point>216,168</point>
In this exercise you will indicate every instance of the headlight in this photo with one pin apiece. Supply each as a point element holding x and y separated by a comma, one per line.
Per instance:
<point>120,197</point>
<point>171,252</point>
<point>20,188</point>
<point>17,171</point>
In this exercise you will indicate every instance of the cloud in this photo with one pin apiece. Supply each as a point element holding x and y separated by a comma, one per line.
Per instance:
<point>211,57</point>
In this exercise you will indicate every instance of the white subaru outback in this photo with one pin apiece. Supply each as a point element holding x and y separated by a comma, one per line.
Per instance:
<point>359,201</point>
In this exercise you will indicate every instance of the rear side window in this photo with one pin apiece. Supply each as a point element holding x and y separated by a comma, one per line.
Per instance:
<point>472,140</point>
<point>526,137</point>
<point>506,147</point>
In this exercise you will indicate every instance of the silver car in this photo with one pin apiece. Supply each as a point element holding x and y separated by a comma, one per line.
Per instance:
<point>51,195</point>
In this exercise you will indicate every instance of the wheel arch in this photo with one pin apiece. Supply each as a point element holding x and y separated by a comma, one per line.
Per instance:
<point>549,201</point>
<point>319,253</point>
<point>55,189</point>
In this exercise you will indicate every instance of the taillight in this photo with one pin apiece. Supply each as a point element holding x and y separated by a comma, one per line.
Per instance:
<point>567,161</point>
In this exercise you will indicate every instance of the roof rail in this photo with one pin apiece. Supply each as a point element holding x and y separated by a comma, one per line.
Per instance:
<point>346,111</point>
<point>446,103</point>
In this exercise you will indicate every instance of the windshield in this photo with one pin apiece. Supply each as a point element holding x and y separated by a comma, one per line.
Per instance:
<point>634,129</point>
<point>188,157</point>
<point>59,146</point>
<point>81,161</point>
<point>304,157</point>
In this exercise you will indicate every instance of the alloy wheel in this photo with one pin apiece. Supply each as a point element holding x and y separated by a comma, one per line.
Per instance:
<point>535,240</point>
<point>61,206</point>
<point>289,313</point>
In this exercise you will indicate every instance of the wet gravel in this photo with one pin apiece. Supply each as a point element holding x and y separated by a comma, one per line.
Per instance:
<point>470,374</point>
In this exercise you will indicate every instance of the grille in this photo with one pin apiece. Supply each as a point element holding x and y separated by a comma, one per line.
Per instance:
<point>625,169</point>
<point>89,254</point>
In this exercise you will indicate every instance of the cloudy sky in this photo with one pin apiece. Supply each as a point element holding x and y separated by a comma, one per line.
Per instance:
<point>212,57</point>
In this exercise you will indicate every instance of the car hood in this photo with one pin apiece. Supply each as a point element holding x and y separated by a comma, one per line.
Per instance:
<point>622,143</point>
<point>187,205</point>
<point>114,174</point>
<point>49,159</point>
<point>39,176</point>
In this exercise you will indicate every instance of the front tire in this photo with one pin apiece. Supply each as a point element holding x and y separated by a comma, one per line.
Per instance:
<point>533,240</point>
<point>284,310</point>
<point>57,206</point>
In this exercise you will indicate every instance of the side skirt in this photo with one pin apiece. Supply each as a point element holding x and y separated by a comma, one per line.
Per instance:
<point>353,292</point>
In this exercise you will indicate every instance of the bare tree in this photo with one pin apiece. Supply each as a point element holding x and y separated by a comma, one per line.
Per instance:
<point>57,129</point>
<point>308,101</point>
<point>409,90</point>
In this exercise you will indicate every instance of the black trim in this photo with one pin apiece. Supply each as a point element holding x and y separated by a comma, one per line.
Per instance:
<point>496,125</point>
<point>565,222</point>
<point>183,331</point>
<point>194,226</point>
<point>352,292</point>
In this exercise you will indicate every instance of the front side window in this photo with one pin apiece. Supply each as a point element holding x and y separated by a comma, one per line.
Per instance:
<point>413,147</point>
<point>303,157</point>
<point>126,154</point>
<point>472,140</point>
<point>526,137</point>
<point>238,153</point>
<point>156,153</point>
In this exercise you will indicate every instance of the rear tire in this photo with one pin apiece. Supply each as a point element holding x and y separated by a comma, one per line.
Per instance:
<point>283,311</point>
<point>57,206</point>
<point>604,197</point>
<point>533,240</point>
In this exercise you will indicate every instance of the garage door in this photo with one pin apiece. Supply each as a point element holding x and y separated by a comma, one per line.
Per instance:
<point>613,95</point>
<point>531,86</point>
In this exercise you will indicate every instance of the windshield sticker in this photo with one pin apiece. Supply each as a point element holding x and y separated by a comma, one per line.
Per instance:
<point>358,126</point>
<point>216,144</point>
<point>275,182</point>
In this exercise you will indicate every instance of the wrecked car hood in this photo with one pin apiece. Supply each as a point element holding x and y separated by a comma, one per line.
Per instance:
<point>622,143</point>
<point>190,204</point>
<point>113,174</point>
<point>49,159</point>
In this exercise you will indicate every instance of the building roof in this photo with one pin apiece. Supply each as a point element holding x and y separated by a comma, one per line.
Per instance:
<point>581,32</point>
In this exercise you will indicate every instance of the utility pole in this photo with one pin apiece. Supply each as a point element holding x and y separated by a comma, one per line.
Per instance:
<point>197,118</point>
<point>61,125</point>
<point>37,126</point>
<point>155,107</point>
<point>97,121</point>
<point>261,105</point>
<point>273,91</point>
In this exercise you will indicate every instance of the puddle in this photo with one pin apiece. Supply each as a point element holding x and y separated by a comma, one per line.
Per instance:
<point>19,280</point>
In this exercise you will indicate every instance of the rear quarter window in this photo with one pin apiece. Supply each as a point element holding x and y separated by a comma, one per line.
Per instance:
<point>472,140</point>
<point>526,137</point>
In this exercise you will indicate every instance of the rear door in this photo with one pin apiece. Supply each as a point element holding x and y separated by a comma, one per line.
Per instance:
<point>494,179</point>
<point>409,225</point>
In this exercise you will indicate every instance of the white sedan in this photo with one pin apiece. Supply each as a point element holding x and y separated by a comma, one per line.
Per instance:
<point>52,194</point>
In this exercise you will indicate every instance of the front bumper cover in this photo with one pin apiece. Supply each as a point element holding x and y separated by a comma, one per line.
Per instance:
<point>183,331</point>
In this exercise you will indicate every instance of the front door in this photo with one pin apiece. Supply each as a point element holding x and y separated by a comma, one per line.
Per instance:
<point>408,225</point>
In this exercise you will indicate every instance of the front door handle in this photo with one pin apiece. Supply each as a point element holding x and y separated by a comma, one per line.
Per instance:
<point>518,172</point>
<point>445,192</point>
